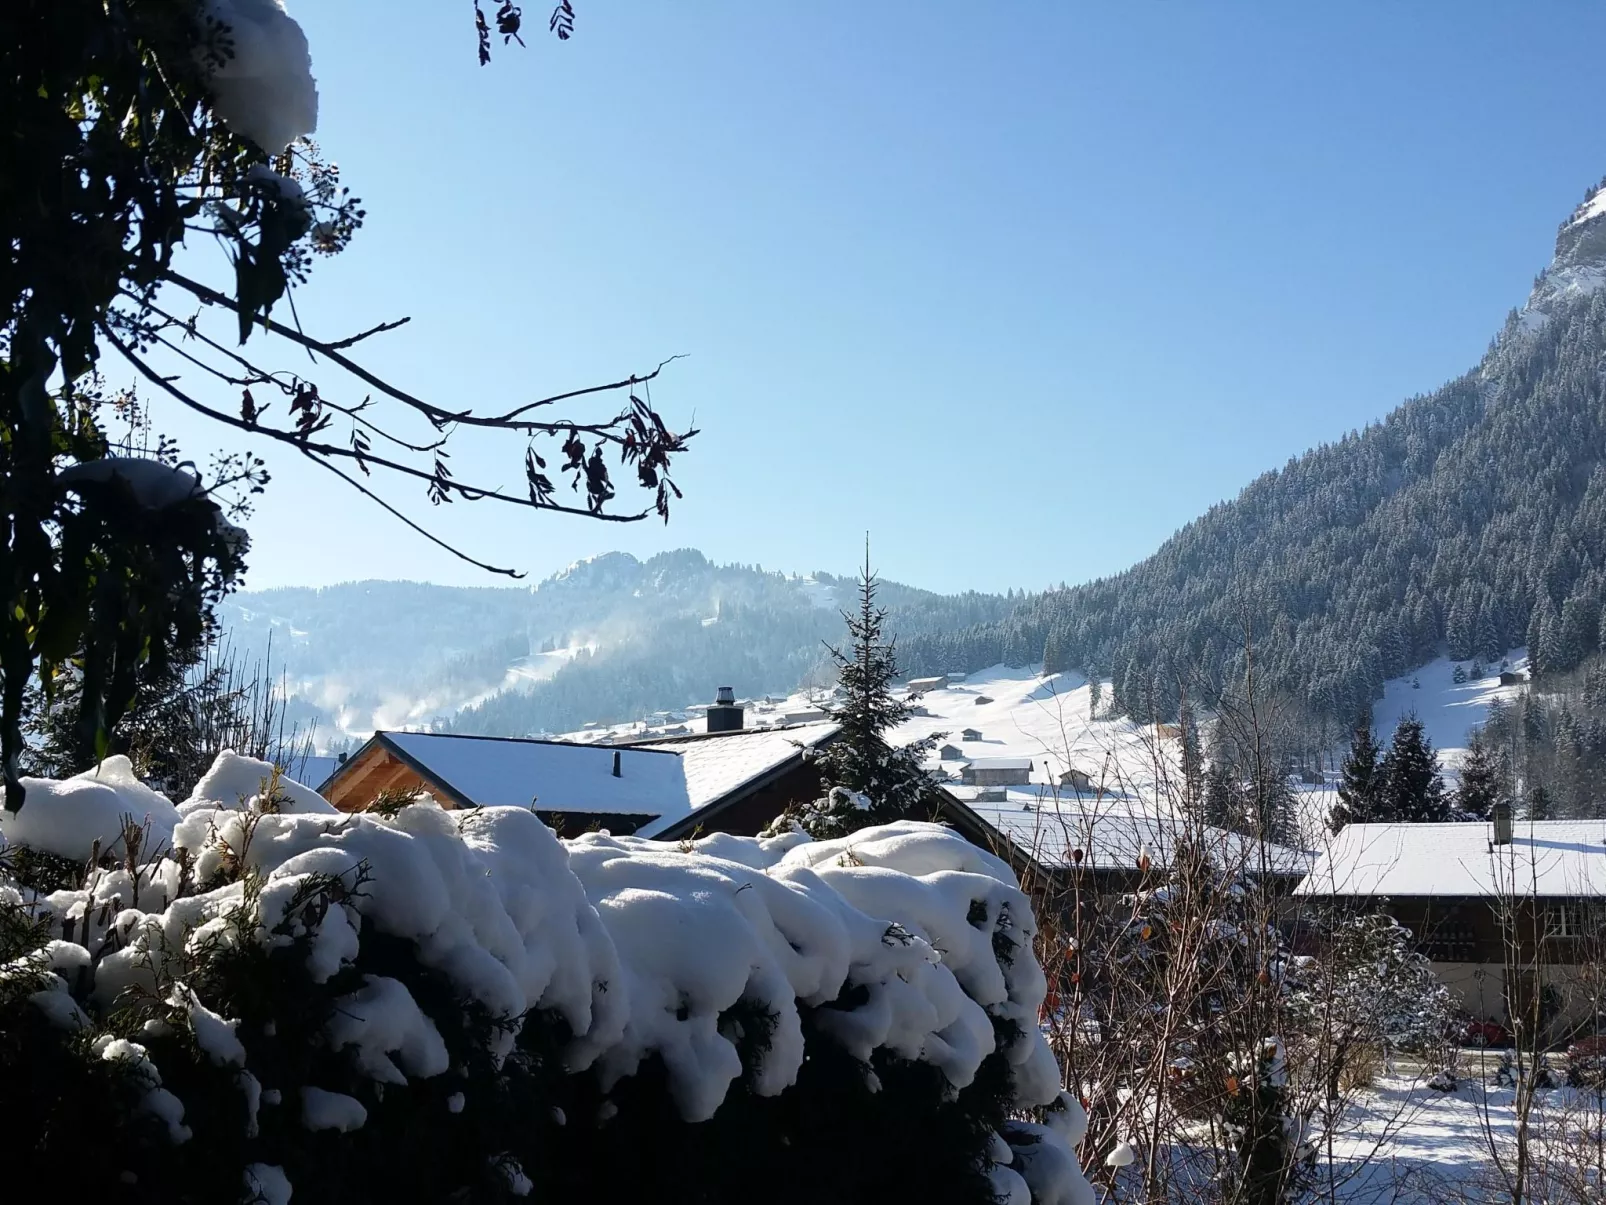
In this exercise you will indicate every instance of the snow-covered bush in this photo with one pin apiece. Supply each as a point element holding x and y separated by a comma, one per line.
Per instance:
<point>251,994</point>
<point>1366,992</point>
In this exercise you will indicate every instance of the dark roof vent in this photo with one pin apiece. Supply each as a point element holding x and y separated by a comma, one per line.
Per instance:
<point>616,773</point>
<point>724,715</point>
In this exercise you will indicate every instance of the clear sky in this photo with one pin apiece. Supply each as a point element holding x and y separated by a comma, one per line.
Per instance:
<point>1018,288</point>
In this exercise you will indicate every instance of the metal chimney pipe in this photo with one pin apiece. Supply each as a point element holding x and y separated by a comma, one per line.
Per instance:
<point>616,772</point>
<point>1501,815</point>
<point>724,715</point>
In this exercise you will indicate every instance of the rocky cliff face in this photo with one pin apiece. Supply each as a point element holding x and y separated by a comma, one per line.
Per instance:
<point>1579,265</point>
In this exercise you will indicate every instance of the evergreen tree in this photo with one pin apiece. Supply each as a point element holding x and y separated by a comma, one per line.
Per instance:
<point>1360,783</point>
<point>1275,816</point>
<point>1192,758</point>
<point>1481,786</point>
<point>1540,805</point>
<point>869,780</point>
<point>1412,788</point>
<point>1223,793</point>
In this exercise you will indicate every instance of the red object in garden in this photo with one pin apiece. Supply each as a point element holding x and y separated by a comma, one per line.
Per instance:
<point>1487,1033</point>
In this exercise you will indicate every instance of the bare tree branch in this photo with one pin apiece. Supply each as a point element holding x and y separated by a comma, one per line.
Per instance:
<point>314,449</point>
<point>435,414</point>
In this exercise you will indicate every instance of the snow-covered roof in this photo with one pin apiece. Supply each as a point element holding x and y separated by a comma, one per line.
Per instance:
<point>719,764</point>
<point>1000,763</point>
<point>1115,838</point>
<point>492,771</point>
<point>1545,858</point>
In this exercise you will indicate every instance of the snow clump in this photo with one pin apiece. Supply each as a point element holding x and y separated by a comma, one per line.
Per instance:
<point>263,87</point>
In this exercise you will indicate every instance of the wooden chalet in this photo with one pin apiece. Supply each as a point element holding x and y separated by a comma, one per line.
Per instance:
<point>1510,915</point>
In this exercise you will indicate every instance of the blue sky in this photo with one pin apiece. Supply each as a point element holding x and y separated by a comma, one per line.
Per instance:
<point>1019,289</point>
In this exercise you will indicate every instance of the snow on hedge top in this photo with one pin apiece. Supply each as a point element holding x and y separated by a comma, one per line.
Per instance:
<point>1545,858</point>
<point>240,782</point>
<point>920,941</point>
<point>67,818</point>
<point>910,914</point>
<point>264,90</point>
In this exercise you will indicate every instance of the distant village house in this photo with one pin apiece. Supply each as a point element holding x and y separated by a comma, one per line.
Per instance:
<point>997,772</point>
<point>1076,780</point>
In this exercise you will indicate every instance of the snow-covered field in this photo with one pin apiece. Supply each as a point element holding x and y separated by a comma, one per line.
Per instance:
<point>1449,710</point>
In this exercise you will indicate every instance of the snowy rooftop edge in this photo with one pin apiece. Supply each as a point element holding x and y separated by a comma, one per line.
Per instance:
<point>1546,858</point>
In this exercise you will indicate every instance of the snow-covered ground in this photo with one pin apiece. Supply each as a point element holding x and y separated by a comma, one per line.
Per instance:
<point>1404,1142</point>
<point>1449,710</point>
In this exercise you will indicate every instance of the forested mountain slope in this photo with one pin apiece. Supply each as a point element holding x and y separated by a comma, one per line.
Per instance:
<point>607,639</point>
<point>1471,520</point>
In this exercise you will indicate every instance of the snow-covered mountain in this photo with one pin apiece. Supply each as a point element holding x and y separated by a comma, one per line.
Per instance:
<point>1469,521</point>
<point>609,638</point>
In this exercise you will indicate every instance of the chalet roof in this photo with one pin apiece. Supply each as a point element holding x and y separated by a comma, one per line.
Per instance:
<point>720,765</point>
<point>1000,763</point>
<point>1113,837</point>
<point>1545,858</point>
<point>489,771</point>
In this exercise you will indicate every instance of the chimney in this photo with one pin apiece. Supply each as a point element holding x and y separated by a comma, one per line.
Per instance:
<point>724,715</point>
<point>1501,816</point>
<point>616,773</point>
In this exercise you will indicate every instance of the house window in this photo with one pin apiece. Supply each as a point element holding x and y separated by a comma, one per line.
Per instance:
<point>1572,918</point>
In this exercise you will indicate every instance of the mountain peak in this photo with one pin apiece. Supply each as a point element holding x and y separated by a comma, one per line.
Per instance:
<point>1579,265</point>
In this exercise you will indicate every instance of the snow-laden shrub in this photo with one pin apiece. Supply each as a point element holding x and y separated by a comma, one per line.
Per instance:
<point>252,994</point>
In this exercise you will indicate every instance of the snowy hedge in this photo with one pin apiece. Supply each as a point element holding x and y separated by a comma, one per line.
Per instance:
<point>251,995</point>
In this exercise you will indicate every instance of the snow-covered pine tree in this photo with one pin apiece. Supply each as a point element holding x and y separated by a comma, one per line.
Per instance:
<point>1412,788</point>
<point>1223,803</point>
<point>1480,787</point>
<point>869,780</point>
<point>1540,805</point>
<point>1360,780</point>
<point>1193,774</point>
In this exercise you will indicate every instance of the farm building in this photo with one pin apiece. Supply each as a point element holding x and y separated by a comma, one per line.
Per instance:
<point>1076,780</point>
<point>997,772</point>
